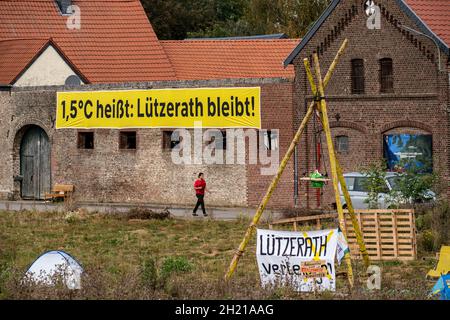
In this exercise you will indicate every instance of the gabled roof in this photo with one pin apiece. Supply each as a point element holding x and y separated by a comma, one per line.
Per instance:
<point>228,59</point>
<point>16,55</point>
<point>431,16</point>
<point>116,42</point>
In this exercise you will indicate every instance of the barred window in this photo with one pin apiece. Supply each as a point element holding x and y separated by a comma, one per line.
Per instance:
<point>171,139</point>
<point>127,140</point>
<point>358,85</point>
<point>342,143</point>
<point>386,76</point>
<point>85,140</point>
<point>220,141</point>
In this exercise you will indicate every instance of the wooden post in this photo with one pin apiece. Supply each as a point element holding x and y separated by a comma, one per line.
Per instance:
<point>320,97</point>
<point>265,200</point>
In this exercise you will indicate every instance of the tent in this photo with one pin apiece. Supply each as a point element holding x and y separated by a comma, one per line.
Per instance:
<point>44,269</point>
<point>442,287</point>
<point>443,266</point>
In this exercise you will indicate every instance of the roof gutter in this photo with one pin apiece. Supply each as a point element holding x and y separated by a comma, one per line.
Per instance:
<point>423,26</point>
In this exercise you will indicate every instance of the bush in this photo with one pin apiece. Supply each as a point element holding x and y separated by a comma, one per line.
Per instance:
<point>427,240</point>
<point>441,224</point>
<point>172,265</point>
<point>149,273</point>
<point>375,183</point>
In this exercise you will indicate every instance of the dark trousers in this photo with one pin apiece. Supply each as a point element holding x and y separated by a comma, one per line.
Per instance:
<point>200,202</point>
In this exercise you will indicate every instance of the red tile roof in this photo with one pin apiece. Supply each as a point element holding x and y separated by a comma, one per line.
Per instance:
<point>226,59</point>
<point>15,55</point>
<point>435,14</point>
<point>116,42</point>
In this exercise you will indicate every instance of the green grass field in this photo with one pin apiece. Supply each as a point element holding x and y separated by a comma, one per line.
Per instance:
<point>190,258</point>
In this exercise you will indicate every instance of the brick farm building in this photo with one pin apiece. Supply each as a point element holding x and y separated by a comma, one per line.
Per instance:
<point>389,81</point>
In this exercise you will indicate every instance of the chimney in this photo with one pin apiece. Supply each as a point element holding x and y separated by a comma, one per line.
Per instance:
<point>63,5</point>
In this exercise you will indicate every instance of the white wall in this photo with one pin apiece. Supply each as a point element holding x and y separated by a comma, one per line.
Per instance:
<point>48,69</point>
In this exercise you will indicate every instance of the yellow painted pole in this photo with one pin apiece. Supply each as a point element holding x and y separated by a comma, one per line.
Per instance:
<point>331,154</point>
<point>265,200</point>
<point>351,212</point>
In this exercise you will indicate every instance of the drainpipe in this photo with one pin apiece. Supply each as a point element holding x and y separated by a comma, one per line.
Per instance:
<point>296,176</point>
<point>425,35</point>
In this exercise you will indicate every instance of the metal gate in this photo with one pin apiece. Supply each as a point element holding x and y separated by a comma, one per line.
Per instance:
<point>35,164</point>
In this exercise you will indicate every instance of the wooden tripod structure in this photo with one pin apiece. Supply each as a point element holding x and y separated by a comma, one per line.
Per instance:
<point>319,104</point>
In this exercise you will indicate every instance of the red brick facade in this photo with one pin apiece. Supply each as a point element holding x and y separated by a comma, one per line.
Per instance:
<point>418,104</point>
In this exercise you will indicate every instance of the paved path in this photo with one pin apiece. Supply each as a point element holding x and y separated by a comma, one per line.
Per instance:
<point>178,212</point>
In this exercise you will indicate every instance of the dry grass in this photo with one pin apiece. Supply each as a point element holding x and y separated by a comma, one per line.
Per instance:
<point>128,259</point>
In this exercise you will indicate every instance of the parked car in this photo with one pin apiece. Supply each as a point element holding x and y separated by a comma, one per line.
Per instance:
<point>356,185</point>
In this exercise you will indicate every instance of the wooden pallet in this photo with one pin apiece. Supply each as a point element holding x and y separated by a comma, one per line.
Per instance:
<point>388,234</point>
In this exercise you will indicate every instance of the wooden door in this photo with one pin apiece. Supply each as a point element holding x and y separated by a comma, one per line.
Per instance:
<point>35,164</point>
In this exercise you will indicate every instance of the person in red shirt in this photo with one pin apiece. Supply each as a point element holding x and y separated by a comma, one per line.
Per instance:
<point>200,188</point>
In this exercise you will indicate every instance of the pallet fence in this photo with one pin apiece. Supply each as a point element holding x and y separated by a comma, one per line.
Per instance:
<point>388,234</point>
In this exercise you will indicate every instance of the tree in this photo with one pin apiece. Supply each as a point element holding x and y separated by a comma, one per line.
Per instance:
<point>173,19</point>
<point>178,19</point>
<point>293,17</point>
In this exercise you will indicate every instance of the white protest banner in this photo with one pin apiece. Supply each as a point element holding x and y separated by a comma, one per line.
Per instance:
<point>304,260</point>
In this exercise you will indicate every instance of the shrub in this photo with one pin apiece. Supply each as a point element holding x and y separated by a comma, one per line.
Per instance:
<point>149,273</point>
<point>375,183</point>
<point>427,240</point>
<point>147,214</point>
<point>172,265</point>
<point>440,224</point>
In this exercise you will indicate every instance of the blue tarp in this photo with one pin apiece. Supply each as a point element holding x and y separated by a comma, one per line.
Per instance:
<point>442,287</point>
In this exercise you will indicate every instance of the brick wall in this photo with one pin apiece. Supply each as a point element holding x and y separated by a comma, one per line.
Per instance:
<point>144,175</point>
<point>419,100</point>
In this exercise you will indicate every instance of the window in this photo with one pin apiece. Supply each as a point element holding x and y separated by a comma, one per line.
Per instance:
<point>220,142</point>
<point>358,76</point>
<point>342,143</point>
<point>127,140</point>
<point>271,139</point>
<point>386,76</point>
<point>171,139</point>
<point>350,183</point>
<point>85,140</point>
<point>360,184</point>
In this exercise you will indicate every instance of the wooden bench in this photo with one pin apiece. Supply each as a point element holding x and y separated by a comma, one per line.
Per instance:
<point>60,191</point>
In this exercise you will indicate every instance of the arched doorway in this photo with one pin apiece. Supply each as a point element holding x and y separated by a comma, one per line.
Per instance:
<point>35,163</point>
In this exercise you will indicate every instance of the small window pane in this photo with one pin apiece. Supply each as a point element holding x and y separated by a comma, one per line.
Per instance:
<point>85,140</point>
<point>271,140</point>
<point>127,140</point>
<point>171,139</point>
<point>342,144</point>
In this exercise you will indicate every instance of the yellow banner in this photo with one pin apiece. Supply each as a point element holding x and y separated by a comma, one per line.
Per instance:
<point>160,108</point>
